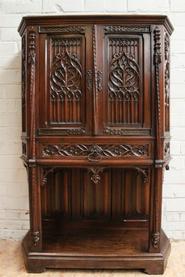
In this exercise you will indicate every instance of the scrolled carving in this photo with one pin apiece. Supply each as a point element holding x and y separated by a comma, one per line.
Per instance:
<point>156,239</point>
<point>157,46</point>
<point>144,172</point>
<point>96,152</point>
<point>45,173</point>
<point>123,29</point>
<point>166,46</point>
<point>166,149</point>
<point>95,174</point>
<point>36,237</point>
<point>31,47</point>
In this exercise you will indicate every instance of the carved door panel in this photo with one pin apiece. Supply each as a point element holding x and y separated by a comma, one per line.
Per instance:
<point>65,80</point>
<point>123,79</point>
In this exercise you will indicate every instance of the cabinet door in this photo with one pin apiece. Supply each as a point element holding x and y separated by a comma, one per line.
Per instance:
<point>123,104</point>
<point>65,80</point>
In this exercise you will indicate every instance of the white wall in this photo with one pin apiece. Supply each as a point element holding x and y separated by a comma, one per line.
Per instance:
<point>13,182</point>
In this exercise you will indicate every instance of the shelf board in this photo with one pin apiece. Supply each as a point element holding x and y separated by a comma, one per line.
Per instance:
<point>94,240</point>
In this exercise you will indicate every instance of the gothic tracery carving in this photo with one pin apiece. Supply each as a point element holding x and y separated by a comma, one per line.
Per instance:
<point>95,152</point>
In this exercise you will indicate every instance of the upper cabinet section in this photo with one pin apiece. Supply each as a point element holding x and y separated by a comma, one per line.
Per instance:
<point>97,77</point>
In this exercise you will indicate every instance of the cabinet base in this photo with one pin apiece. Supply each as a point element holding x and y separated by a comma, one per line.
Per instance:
<point>150,263</point>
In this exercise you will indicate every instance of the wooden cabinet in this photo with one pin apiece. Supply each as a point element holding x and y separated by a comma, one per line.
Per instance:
<point>95,139</point>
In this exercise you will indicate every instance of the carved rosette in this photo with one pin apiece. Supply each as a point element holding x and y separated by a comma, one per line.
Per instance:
<point>95,152</point>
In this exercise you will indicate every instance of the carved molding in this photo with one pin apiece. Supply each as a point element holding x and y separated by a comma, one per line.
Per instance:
<point>98,75</point>
<point>95,152</point>
<point>125,29</point>
<point>156,239</point>
<point>63,132</point>
<point>124,132</point>
<point>62,29</point>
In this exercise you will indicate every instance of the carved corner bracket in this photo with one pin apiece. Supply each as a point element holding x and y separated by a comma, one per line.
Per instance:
<point>46,171</point>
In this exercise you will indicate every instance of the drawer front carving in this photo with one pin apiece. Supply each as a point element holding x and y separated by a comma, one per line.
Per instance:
<point>95,152</point>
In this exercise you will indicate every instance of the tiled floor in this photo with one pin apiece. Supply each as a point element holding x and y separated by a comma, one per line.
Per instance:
<point>11,264</point>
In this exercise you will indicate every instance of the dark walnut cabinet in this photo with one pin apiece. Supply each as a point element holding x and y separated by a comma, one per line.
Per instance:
<point>95,140</point>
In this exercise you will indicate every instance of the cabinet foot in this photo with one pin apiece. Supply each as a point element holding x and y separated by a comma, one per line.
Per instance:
<point>155,270</point>
<point>35,268</point>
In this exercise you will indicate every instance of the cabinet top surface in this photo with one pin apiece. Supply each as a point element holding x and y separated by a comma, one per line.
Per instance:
<point>95,19</point>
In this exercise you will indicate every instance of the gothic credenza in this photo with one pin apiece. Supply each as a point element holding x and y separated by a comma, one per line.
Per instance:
<point>95,140</point>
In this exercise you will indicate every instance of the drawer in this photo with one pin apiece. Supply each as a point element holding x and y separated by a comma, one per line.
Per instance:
<point>95,152</point>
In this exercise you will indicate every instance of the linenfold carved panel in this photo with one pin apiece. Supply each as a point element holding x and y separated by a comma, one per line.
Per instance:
<point>66,86</point>
<point>124,81</point>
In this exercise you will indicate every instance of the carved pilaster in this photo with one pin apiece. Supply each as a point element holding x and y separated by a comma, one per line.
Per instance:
<point>31,86</point>
<point>157,62</point>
